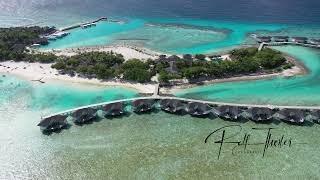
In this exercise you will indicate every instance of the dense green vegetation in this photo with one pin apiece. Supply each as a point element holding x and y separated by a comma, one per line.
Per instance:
<point>101,65</point>
<point>13,42</point>
<point>243,61</point>
<point>110,65</point>
<point>105,66</point>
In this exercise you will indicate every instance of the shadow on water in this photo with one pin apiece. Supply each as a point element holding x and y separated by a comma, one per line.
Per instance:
<point>58,131</point>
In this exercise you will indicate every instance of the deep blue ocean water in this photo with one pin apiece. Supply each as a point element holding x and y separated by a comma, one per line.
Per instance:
<point>15,12</point>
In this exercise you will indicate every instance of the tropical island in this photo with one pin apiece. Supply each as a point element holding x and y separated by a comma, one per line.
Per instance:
<point>111,68</point>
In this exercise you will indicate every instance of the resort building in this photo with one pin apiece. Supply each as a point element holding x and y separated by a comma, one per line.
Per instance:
<point>315,116</point>
<point>172,105</point>
<point>228,112</point>
<point>301,40</point>
<point>53,123</point>
<point>260,114</point>
<point>264,39</point>
<point>85,115</point>
<point>143,105</point>
<point>315,41</point>
<point>292,115</point>
<point>281,38</point>
<point>114,109</point>
<point>198,109</point>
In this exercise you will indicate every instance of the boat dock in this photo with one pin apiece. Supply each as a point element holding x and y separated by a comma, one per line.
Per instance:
<point>263,44</point>
<point>82,24</point>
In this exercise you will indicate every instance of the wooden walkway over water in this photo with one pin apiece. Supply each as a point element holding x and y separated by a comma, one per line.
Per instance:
<point>262,45</point>
<point>212,103</point>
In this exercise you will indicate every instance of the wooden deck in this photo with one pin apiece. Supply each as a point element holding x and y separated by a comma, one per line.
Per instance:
<point>187,100</point>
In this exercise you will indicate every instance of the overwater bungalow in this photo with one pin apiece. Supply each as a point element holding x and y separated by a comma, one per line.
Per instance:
<point>292,115</point>
<point>85,115</point>
<point>172,105</point>
<point>302,40</point>
<point>143,105</point>
<point>53,123</point>
<point>315,41</point>
<point>198,109</point>
<point>264,39</point>
<point>315,116</point>
<point>114,109</point>
<point>260,114</point>
<point>228,112</point>
<point>280,38</point>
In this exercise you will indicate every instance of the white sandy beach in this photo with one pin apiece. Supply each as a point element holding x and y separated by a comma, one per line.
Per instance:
<point>44,72</point>
<point>128,52</point>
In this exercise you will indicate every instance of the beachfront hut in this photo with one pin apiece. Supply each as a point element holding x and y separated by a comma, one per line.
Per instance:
<point>143,105</point>
<point>227,112</point>
<point>172,105</point>
<point>314,41</point>
<point>114,109</point>
<point>53,123</point>
<point>315,116</point>
<point>187,57</point>
<point>260,114</point>
<point>292,115</point>
<point>198,109</point>
<point>302,40</point>
<point>264,39</point>
<point>172,68</point>
<point>85,115</point>
<point>280,38</point>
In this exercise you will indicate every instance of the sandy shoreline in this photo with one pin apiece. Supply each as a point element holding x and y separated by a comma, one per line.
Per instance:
<point>43,72</point>
<point>128,52</point>
<point>38,72</point>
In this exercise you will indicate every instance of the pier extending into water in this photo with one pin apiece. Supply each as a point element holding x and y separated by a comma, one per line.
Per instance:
<point>80,24</point>
<point>177,105</point>
<point>263,44</point>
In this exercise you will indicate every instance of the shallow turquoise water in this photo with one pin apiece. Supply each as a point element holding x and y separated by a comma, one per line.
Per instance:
<point>300,90</point>
<point>174,36</point>
<point>156,145</point>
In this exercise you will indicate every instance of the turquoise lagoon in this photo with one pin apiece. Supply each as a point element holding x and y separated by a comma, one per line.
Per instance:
<point>177,35</point>
<point>299,90</point>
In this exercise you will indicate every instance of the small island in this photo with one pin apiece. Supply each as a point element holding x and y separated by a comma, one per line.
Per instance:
<point>111,68</point>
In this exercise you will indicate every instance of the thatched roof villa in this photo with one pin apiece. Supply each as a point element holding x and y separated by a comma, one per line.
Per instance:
<point>53,123</point>
<point>302,40</point>
<point>85,115</point>
<point>292,115</point>
<point>281,38</point>
<point>260,114</point>
<point>198,109</point>
<point>228,112</point>
<point>314,41</point>
<point>264,39</point>
<point>315,116</point>
<point>114,109</point>
<point>172,105</point>
<point>143,105</point>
